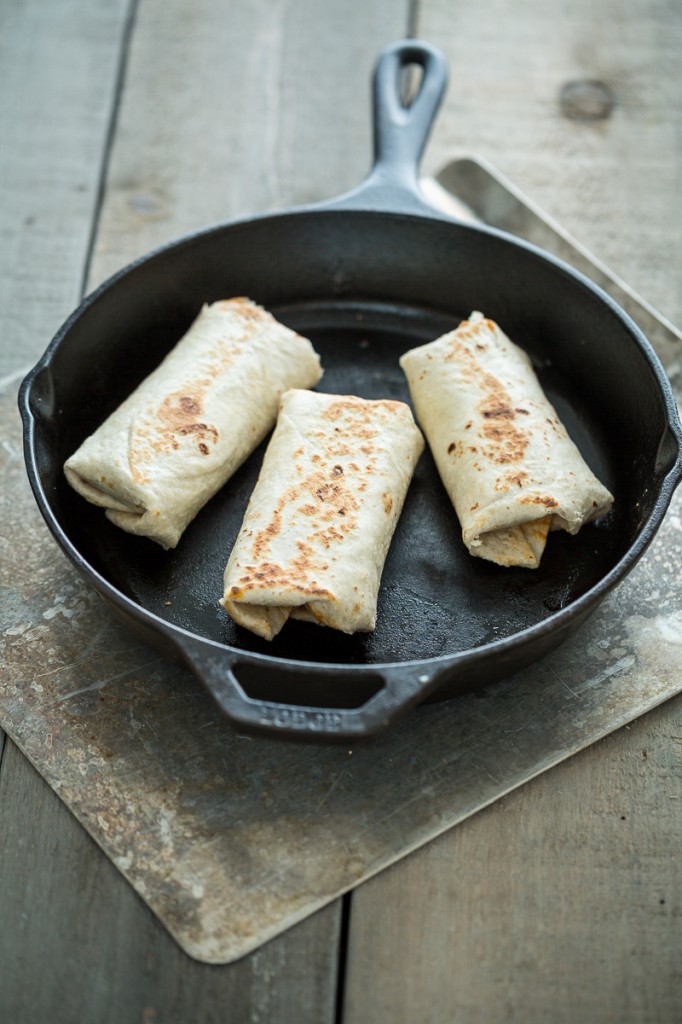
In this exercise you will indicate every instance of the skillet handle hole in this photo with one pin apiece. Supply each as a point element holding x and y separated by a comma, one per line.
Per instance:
<point>305,688</point>
<point>410,83</point>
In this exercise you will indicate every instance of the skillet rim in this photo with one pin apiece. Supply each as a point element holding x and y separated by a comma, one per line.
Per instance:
<point>419,211</point>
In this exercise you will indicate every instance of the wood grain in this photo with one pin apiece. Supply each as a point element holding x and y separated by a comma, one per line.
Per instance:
<point>274,110</point>
<point>77,944</point>
<point>560,902</point>
<point>224,110</point>
<point>615,183</point>
<point>58,71</point>
<point>548,905</point>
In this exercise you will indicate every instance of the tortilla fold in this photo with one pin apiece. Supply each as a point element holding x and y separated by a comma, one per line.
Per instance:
<point>505,459</point>
<point>176,440</point>
<point>321,517</point>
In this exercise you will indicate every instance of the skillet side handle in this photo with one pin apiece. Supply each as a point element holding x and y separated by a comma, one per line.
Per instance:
<point>401,129</point>
<point>401,688</point>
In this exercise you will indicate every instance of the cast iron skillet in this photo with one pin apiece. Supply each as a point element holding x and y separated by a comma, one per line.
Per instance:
<point>365,276</point>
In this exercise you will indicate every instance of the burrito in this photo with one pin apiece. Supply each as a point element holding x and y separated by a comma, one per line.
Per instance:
<point>317,529</point>
<point>507,462</point>
<point>156,461</point>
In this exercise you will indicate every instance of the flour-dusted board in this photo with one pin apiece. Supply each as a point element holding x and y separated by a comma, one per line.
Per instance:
<point>231,840</point>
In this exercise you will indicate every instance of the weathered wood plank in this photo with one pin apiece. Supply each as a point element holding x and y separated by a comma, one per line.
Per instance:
<point>77,944</point>
<point>549,904</point>
<point>97,942</point>
<point>225,110</point>
<point>559,902</point>
<point>613,182</point>
<point>58,70</point>
<point>58,67</point>
<point>273,110</point>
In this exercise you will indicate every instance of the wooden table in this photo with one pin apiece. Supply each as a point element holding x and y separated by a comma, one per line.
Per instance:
<point>127,122</point>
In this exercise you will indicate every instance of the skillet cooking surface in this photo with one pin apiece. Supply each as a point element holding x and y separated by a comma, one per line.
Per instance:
<point>365,276</point>
<point>435,599</point>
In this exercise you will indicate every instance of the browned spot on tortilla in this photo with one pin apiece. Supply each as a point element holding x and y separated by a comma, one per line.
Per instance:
<point>360,409</point>
<point>271,574</point>
<point>181,407</point>
<point>320,497</point>
<point>251,316</point>
<point>500,412</point>
<point>203,430</point>
<point>339,448</point>
<point>508,441</point>
<point>242,305</point>
<point>330,535</point>
<point>176,417</point>
<point>274,526</point>
<point>328,491</point>
<point>387,501</point>
<point>190,405</point>
<point>537,500</point>
<point>469,331</point>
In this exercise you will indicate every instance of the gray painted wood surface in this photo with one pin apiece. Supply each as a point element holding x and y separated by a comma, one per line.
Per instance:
<point>562,901</point>
<point>231,841</point>
<point>558,903</point>
<point>549,904</point>
<point>59,67</point>
<point>193,95</point>
<point>614,182</point>
<point>224,116</point>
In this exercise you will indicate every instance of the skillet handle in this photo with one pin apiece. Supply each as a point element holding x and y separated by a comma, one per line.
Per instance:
<point>396,688</point>
<point>400,130</point>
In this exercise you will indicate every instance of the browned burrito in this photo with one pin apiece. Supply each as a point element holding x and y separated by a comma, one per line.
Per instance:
<point>506,460</point>
<point>176,440</point>
<point>317,529</point>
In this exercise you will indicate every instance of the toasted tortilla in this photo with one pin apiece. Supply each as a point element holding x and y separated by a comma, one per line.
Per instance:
<point>506,460</point>
<point>322,514</point>
<point>175,441</point>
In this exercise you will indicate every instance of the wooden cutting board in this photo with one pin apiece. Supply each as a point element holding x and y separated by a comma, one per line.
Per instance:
<point>231,840</point>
